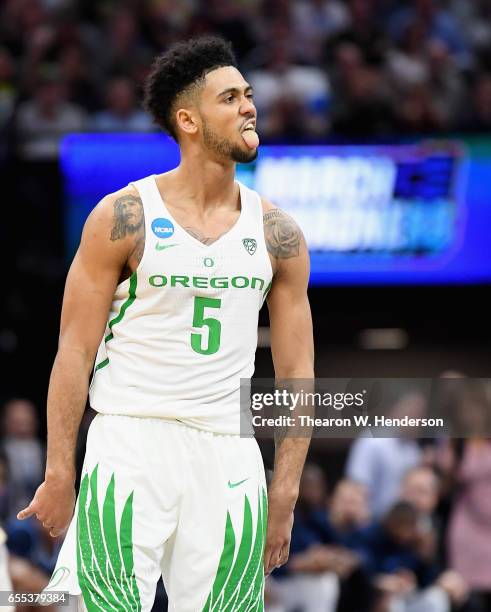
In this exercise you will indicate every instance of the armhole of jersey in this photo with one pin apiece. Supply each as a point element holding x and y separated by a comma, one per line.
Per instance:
<point>261,232</point>
<point>143,188</point>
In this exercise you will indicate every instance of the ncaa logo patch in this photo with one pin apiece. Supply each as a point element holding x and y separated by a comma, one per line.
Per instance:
<point>250,245</point>
<point>162,228</point>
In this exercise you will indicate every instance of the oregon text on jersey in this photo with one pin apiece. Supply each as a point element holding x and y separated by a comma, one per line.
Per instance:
<point>202,282</point>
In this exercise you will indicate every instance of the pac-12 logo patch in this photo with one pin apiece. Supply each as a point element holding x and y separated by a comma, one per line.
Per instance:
<point>250,245</point>
<point>162,228</point>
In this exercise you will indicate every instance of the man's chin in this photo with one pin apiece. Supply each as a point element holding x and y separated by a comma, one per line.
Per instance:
<point>244,157</point>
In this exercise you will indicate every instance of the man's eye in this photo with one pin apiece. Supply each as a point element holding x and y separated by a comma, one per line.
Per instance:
<point>250,96</point>
<point>229,99</point>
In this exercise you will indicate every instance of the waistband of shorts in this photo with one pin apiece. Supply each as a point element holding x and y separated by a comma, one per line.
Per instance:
<point>165,421</point>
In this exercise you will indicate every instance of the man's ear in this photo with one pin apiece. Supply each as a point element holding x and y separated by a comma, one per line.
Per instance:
<point>186,120</point>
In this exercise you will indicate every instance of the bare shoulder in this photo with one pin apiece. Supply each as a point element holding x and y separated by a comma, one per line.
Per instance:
<point>123,211</point>
<point>284,238</point>
<point>119,219</point>
<point>119,211</point>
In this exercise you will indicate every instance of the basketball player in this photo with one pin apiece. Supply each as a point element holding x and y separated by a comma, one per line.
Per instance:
<point>171,274</point>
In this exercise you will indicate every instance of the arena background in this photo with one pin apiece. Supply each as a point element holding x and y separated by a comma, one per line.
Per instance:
<point>360,75</point>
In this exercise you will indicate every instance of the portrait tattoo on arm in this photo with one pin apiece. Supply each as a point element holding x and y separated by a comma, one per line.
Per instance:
<point>282,234</point>
<point>129,220</point>
<point>128,217</point>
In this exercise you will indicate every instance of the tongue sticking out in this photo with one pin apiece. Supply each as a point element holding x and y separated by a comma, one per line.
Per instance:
<point>251,138</point>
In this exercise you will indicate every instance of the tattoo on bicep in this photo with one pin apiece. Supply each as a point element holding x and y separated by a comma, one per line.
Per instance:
<point>282,234</point>
<point>128,217</point>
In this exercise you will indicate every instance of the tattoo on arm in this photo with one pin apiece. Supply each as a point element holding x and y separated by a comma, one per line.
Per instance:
<point>128,217</point>
<point>282,234</point>
<point>129,220</point>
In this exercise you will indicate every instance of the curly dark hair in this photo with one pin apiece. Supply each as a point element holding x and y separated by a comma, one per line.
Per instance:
<point>178,70</point>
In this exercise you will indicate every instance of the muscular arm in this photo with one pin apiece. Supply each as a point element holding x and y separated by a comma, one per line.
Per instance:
<point>111,245</point>
<point>293,357</point>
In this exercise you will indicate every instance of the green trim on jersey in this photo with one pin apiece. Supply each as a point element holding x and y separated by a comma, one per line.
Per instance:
<point>105,559</point>
<point>102,364</point>
<point>239,581</point>
<point>117,319</point>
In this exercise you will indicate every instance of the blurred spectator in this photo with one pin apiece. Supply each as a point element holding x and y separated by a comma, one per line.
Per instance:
<point>407,62</point>
<point>44,119</point>
<point>348,510</point>
<point>24,451</point>
<point>233,21</point>
<point>364,31</point>
<point>49,44</point>
<point>6,504</point>
<point>402,563</point>
<point>446,84</point>
<point>19,22</point>
<point>79,77</point>
<point>477,114</point>
<point>417,113</point>
<point>166,21</point>
<point>122,113</point>
<point>439,24</point>
<point>121,42</point>
<point>33,554</point>
<point>8,89</point>
<point>362,102</point>
<point>348,518</point>
<point>474,18</point>
<point>5,580</point>
<point>381,463</point>
<point>8,99</point>
<point>467,464</point>
<point>291,99</point>
<point>314,22</point>
<point>425,75</point>
<point>31,541</point>
<point>421,489</point>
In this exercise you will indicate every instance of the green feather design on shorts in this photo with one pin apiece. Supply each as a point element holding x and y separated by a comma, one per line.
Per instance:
<point>105,558</point>
<point>239,581</point>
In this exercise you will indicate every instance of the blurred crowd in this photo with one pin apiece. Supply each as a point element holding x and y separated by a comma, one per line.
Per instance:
<point>31,551</point>
<point>348,68</point>
<point>405,526</point>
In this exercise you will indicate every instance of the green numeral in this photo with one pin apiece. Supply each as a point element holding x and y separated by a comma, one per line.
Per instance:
<point>214,326</point>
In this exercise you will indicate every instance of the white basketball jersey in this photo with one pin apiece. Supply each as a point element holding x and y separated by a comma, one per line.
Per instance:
<point>182,330</point>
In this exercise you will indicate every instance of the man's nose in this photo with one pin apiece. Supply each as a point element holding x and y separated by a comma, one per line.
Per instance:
<point>247,107</point>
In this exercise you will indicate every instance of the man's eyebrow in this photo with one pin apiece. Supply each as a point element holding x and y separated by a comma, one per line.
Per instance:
<point>247,89</point>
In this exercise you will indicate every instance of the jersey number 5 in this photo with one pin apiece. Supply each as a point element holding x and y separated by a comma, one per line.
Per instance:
<point>214,326</point>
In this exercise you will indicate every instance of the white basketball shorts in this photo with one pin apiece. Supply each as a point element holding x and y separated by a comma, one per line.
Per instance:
<point>160,498</point>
